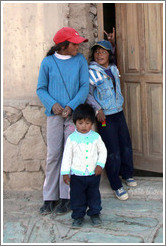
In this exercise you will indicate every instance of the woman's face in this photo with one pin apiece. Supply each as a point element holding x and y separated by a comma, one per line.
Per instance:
<point>101,56</point>
<point>71,50</point>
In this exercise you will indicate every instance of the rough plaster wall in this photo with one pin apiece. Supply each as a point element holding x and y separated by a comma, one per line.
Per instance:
<point>81,17</point>
<point>28,30</point>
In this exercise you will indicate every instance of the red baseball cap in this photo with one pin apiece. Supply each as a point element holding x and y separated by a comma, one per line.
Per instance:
<point>68,34</point>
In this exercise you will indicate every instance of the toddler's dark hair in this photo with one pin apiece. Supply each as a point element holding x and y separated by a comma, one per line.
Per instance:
<point>84,111</point>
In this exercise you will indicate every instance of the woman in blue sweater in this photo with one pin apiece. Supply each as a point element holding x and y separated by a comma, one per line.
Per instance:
<point>106,98</point>
<point>63,84</point>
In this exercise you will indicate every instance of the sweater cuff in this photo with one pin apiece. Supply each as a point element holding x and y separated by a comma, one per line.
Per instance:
<point>100,164</point>
<point>65,172</point>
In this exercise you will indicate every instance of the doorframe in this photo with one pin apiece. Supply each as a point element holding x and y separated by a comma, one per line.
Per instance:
<point>100,19</point>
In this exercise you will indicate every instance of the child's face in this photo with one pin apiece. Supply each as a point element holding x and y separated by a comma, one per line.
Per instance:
<point>101,56</point>
<point>72,49</point>
<point>83,125</point>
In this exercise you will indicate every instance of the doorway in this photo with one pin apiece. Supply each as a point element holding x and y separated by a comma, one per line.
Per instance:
<point>139,50</point>
<point>109,17</point>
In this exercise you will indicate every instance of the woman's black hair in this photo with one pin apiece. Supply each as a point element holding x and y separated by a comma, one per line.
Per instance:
<point>111,56</point>
<point>84,111</point>
<point>57,48</point>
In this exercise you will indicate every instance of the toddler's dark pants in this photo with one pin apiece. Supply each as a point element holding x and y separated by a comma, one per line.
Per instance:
<point>84,193</point>
<point>119,150</point>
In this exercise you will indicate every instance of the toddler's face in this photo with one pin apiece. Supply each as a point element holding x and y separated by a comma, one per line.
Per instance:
<point>83,125</point>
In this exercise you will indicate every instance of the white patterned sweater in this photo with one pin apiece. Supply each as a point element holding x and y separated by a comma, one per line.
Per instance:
<point>82,153</point>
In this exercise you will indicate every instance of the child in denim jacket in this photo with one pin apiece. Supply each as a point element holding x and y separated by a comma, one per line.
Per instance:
<point>106,98</point>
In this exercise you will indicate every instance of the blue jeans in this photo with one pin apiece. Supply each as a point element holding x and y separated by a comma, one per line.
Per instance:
<point>120,156</point>
<point>84,193</point>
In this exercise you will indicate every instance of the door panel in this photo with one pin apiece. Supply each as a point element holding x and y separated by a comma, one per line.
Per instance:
<point>153,37</point>
<point>133,102</point>
<point>139,54</point>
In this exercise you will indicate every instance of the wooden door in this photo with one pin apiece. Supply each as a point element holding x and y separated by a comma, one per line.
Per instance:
<point>139,36</point>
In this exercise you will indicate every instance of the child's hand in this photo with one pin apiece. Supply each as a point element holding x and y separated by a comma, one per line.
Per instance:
<point>66,179</point>
<point>111,36</point>
<point>66,112</point>
<point>57,108</point>
<point>98,170</point>
<point>100,116</point>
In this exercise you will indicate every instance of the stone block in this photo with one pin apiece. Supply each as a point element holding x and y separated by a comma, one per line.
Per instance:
<point>6,124</point>
<point>33,146</point>
<point>12,114</point>
<point>11,160</point>
<point>35,115</point>
<point>16,132</point>
<point>32,165</point>
<point>93,10</point>
<point>25,181</point>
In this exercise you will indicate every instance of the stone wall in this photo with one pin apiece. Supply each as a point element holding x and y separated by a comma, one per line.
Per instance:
<point>24,121</point>
<point>24,145</point>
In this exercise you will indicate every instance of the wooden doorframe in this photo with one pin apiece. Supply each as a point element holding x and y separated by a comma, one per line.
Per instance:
<point>140,78</point>
<point>100,21</point>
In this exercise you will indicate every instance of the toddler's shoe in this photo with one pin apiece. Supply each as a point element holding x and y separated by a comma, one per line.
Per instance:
<point>121,194</point>
<point>77,223</point>
<point>48,207</point>
<point>96,221</point>
<point>63,207</point>
<point>131,182</point>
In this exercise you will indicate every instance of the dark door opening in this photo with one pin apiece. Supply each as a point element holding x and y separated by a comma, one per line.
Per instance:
<point>109,17</point>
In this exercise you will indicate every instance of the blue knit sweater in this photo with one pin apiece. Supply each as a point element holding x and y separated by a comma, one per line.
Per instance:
<point>50,87</point>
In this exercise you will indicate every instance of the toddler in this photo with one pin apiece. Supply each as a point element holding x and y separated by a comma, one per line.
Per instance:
<point>84,158</point>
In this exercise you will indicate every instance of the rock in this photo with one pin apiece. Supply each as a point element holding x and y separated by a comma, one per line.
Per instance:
<point>35,115</point>
<point>33,146</point>
<point>26,181</point>
<point>16,132</point>
<point>11,161</point>
<point>12,114</point>
<point>32,165</point>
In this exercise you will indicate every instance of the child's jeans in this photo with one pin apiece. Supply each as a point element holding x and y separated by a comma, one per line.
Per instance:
<point>119,150</point>
<point>84,192</point>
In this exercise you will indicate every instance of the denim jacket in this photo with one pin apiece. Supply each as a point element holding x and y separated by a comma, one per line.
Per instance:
<point>102,89</point>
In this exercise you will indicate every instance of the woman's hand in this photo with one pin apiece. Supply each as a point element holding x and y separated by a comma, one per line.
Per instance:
<point>57,108</point>
<point>98,170</point>
<point>66,112</point>
<point>66,179</point>
<point>100,116</point>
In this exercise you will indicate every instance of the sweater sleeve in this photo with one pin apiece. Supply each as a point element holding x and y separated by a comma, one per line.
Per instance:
<point>42,87</point>
<point>84,85</point>
<point>67,158</point>
<point>102,153</point>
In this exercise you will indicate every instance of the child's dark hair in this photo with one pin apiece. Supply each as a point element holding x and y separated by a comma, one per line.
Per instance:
<point>57,48</point>
<point>84,111</point>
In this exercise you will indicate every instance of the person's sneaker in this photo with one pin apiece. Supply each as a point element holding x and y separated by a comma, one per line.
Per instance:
<point>48,207</point>
<point>121,194</point>
<point>63,207</point>
<point>96,221</point>
<point>131,182</point>
<point>77,223</point>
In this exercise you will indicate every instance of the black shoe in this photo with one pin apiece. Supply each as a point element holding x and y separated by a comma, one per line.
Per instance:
<point>96,221</point>
<point>63,207</point>
<point>48,207</point>
<point>77,223</point>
